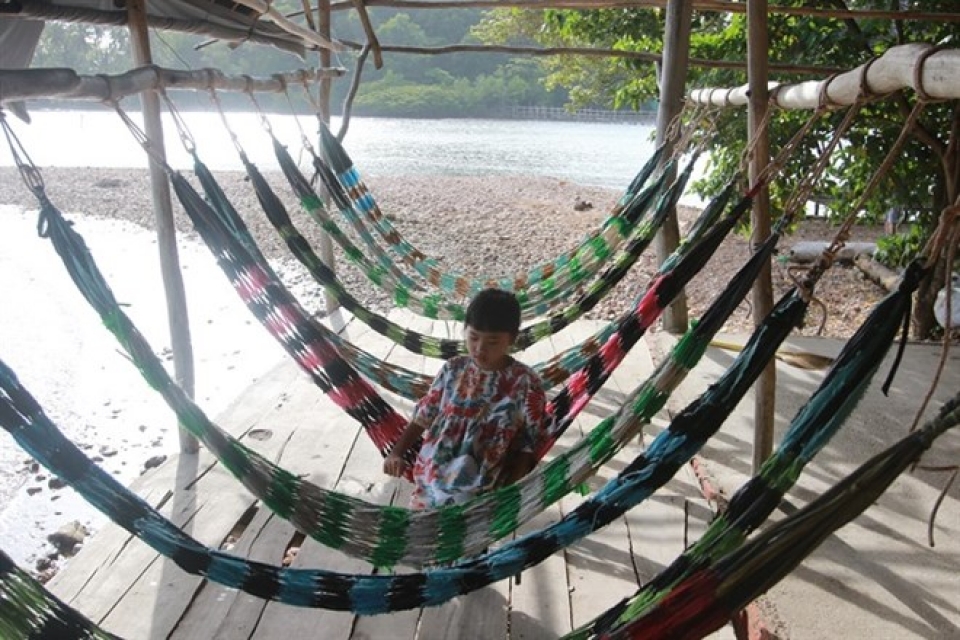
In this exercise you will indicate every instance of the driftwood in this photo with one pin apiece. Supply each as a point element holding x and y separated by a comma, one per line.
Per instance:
<point>883,276</point>
<point>809,250</point>
<point>901,67</point>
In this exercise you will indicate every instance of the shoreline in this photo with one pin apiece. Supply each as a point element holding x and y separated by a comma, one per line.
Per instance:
<point>502,224</point>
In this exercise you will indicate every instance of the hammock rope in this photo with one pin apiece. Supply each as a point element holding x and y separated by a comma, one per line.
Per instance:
<point>354,213</point>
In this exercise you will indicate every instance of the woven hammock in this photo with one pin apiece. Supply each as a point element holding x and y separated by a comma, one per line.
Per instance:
<point>412,340</point>
<point>351,197</point>
<point>710,595</point>
<point>538,298</point>
<point>29,612</point>
<point>494,515</point>
<point>372,594</point>
<point>558,368</point>
<point>813,426</point>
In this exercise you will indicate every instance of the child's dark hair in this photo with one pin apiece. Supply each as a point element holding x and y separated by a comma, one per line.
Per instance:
<point>494,310</point>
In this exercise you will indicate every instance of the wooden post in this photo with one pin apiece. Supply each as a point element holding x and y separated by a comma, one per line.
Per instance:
<point>326,244</point>
<point>765,391</point>
<point>163,215</point>
<point>676,57</point>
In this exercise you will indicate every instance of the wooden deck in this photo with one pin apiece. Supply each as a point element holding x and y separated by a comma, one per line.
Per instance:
<point>127,588</point>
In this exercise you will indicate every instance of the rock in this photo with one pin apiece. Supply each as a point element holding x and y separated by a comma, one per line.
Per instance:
<point>68,537</point>
<point>153,462</point>
<point>56,483</point>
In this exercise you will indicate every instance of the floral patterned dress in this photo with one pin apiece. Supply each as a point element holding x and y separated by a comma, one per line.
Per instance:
<point>473,420</point>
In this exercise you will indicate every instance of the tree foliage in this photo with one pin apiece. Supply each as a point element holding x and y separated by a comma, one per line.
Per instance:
<point>926,174</point>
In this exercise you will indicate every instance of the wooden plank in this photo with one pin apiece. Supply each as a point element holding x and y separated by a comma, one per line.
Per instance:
<point>362,477</point>
<point>161,587</point>
<point>322,440</point>
<point>540,603</point>
<point>100,550</point>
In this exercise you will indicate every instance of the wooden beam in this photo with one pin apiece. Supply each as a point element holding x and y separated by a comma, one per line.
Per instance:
<point>898,68</point>
<point>765,390</point>
<point>324,17</point>
<point>26,84</point>
<point>721,6</point>
<point>177,317</point>
<point>267,11</point>
<point>676,47</point>
<point>590,51</point>
<point>39,10</point>
<point>372,39</point>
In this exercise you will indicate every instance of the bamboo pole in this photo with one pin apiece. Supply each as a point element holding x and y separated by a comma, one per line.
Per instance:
<point>331,303</point>
<point>676,48</point>
<point>718,6</point>
<point>898,68</point>
<point>163,213</point>
<point>765,391</point>
<point>26,84</point>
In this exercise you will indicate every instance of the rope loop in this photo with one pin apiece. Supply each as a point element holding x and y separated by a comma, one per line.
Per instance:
<point>824,97</point>
<point>918,86</point>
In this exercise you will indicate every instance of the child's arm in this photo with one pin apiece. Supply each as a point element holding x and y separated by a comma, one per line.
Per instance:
<point>393,464</point>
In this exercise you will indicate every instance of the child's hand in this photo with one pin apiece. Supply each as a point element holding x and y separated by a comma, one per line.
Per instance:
<point>393,465</point>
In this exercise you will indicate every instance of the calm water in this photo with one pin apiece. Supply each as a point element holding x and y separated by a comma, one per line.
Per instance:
<point>602,154</point>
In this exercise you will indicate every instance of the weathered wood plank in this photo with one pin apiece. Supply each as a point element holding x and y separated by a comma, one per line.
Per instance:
<point>322,441</point>
<point>162,587</point>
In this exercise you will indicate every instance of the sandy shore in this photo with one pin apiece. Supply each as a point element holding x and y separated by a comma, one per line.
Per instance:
<point>478,225</point>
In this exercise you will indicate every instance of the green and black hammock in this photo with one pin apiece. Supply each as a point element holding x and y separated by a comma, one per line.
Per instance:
<point>353,203</point>
<point>413,341</point>
<point>537,298</point>
<point>710,595</point>
<point>813,426</point>
<point>29,612</point>
<point>538,291</point>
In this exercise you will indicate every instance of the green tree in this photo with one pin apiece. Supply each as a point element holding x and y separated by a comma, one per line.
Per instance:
<point>926,175</point>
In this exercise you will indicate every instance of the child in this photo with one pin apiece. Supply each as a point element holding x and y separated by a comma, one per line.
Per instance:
<point>482,418</point>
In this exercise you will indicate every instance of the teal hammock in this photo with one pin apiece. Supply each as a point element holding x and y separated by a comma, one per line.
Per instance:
<point>349,203</point>
<point>538,291</point>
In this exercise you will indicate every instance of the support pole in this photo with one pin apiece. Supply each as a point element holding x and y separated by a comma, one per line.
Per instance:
<point>676,58</point>
<point>765,391</point>
<point>326,244</point>
<point>163,214</point>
